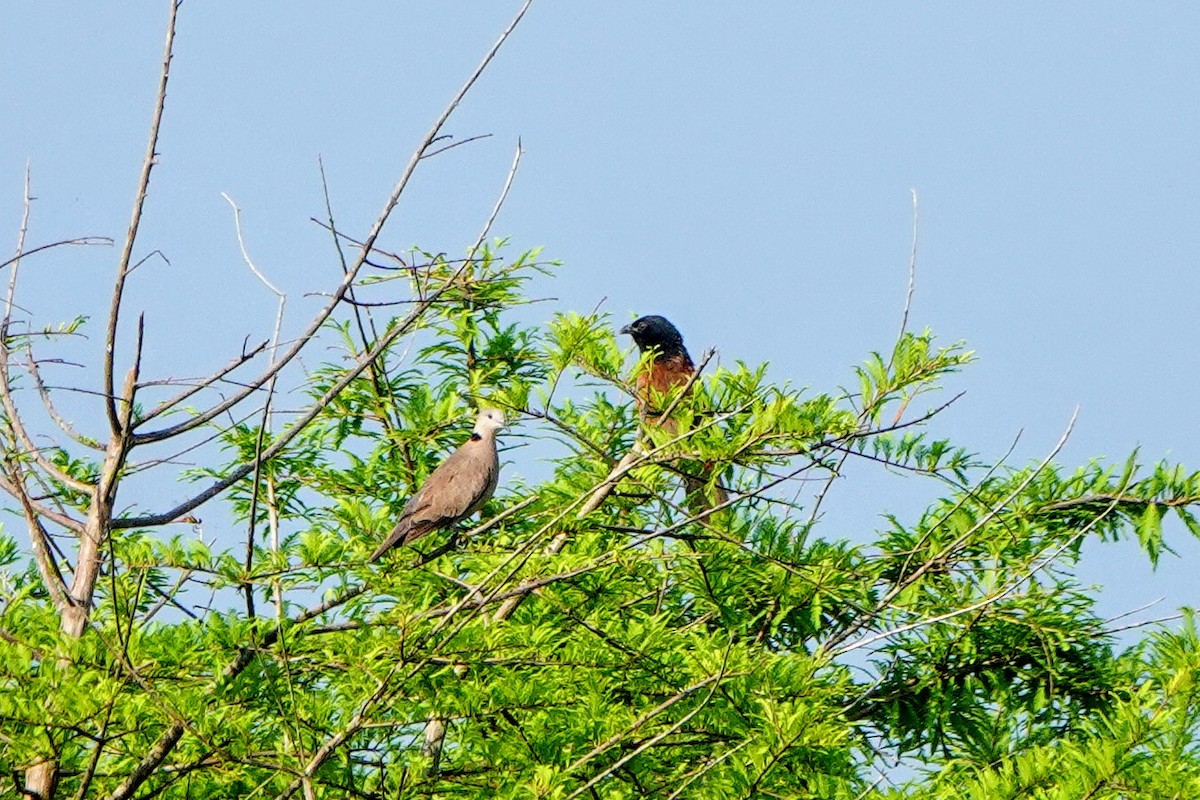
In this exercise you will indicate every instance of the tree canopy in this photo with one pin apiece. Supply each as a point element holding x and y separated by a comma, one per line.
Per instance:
<point>557,648</point>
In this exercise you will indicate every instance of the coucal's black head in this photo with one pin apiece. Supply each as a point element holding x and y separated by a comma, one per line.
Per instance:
<point>656,333</point>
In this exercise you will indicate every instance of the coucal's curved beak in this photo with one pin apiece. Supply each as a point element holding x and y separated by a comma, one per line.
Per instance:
<point>627,329</point>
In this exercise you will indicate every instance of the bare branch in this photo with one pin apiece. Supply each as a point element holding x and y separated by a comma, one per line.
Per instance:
<point>865,413</point>
<point>129,391</point>
<point>453,145</point>
<point>43,392</point>
<point>1120,500</point>
<point>26,204</point>
<point>622,468</point>
<point>67,522</point>
<point>339,236</point>
<point>18,429</point>
<point>133,468</point>
<point>296,428</point>
<point>508,180</point>
<point>39,540</point>
<point>364,253</point>
<point>15,421</point>
<point>377,371</point>
<point>234,363</point>
<point>912,266</point>
<point>360,364</point>
<point>135,221</point>
<point>146,258</point>
<point>264,425</point>
<point>79,241</point>
<point>1144,623</point>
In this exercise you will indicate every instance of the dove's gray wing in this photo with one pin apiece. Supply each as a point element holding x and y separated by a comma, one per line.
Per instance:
<point>454,491</point>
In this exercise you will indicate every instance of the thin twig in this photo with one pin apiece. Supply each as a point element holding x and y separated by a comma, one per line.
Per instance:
<point>985,602</point>
<point>360,364</point>
<point>297,427</point>
<point>263,428</point>
<point>1139,609</point>
<point>35,372</point>
<point>951,548</point>
<point>79,241</point>
<point>459,143</point>
<point>912,267</point>
<point>1144,623</point>
<point>865,414</point>
<point>653,740</point>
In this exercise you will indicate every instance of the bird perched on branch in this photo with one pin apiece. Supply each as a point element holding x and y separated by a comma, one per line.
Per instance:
<point>670,367</point>
<point>455,490</point>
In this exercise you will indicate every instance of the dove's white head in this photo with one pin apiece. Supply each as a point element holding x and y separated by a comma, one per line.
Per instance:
<point>489,421</point>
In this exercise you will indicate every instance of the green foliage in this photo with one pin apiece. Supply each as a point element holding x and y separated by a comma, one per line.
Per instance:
<point>637,651</point>
<point>1142,744</point>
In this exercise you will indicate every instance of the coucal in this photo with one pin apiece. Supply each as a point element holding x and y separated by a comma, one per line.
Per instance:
<point>455,490</point>
<point>670,367</point>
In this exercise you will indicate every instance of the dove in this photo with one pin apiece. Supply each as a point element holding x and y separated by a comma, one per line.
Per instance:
<point>455,490</point>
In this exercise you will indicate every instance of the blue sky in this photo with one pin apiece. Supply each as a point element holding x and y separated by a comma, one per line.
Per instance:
<point>744,170</point>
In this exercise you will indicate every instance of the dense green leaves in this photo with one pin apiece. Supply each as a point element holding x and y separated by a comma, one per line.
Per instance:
<point>634,652</point>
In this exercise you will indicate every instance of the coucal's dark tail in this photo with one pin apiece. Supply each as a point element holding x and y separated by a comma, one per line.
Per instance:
<point>701,497</point>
